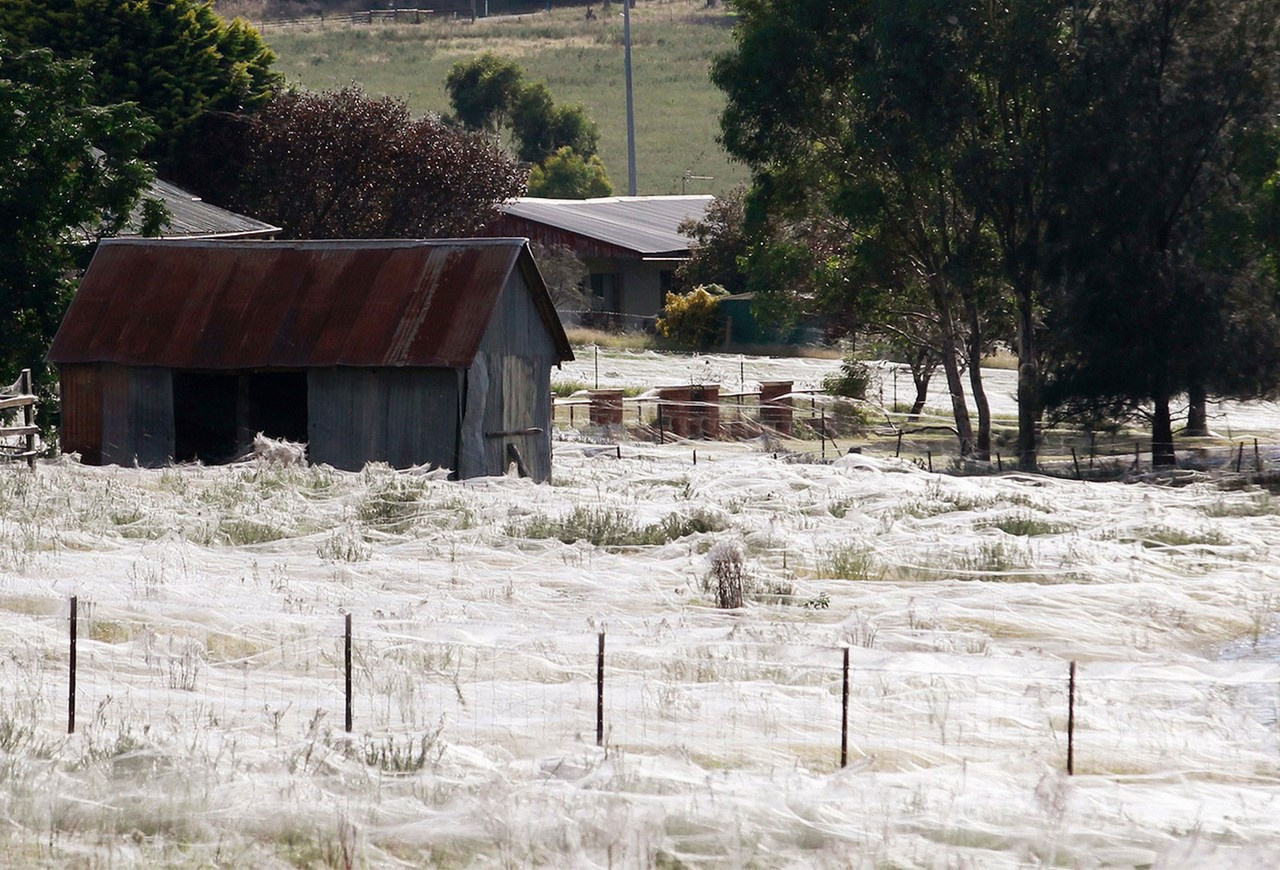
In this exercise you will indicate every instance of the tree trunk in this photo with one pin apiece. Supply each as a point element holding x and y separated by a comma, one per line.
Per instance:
<point>951,368</point>
<point>921,374</point>
<point>982,447</point>
<point>922,393</point>
<point>1162,455</point>
<point>1197,413</point>
<point>1028,381</point>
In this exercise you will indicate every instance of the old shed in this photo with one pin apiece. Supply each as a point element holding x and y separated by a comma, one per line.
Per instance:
<point>407,352</point>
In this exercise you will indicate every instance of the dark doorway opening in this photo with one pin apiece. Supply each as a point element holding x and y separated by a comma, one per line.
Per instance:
<point>204,417</point>
<point>275,404</point>
<point>215,416</point>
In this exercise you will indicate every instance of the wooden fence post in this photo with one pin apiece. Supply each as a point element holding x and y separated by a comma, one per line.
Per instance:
<point>1071,720</point>
<point>600,692</point>
<point>28,416</point>
<point>1240,457</point>
<point>71,683</point>
<point>844,713</point>
<point>1076,460</point>
<point>347,656</point>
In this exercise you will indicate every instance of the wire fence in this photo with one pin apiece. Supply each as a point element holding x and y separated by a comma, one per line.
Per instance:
<point>811,424</point>
<point>407,686</point>
<point>392,14</point>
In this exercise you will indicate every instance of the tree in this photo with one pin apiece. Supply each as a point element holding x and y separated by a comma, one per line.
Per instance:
<point>58,191</point>
<point>564,274</point>
<point>342,164</point>
<point>177,59</point>
<point>1165,282</point>
<point>566,175</point>
<point>483,90</point>
<point>857,113</point>
<point>719,244</point>
<point>489,94</point>
<point>541,128</point>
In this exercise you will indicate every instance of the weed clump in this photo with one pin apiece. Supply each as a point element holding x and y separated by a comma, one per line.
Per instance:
<point>851,562</point>
<point>613,527</point>
<point>727,575</point>
<point>731,584</point>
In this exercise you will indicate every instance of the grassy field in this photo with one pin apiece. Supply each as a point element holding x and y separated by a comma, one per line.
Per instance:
<point>676,106</point>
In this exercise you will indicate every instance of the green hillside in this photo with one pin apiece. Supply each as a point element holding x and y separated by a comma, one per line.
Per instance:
<point>676,107</point>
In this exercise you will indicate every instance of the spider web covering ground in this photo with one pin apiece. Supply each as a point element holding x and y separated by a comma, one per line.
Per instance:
<point>210,693</point>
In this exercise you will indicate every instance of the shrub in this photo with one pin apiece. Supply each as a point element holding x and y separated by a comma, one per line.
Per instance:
<point>727,575</point>
<point>850,381</point>
<point>692,320</point>
<point>852,562</point>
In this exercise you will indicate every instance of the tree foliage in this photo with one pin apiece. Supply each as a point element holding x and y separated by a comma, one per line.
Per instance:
<point>719,245</point>
<point>489,94</point>
<point>692,320</point>
<point>1166,281</point>
<point>564,274</point>
<point>342,164</point>
<point>58,191</point>
<point>177,59</point>
<point>566,175</point>
<point>866,148</point>
<point>1047,173</point>
<point>483,90</point>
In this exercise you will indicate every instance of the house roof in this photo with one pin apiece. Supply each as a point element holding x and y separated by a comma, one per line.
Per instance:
<point>190,217</point>
<point>645,225</point>
<point>217,305</point>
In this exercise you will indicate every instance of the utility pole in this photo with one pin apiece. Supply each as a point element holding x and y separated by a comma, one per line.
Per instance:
<point>631,116</point>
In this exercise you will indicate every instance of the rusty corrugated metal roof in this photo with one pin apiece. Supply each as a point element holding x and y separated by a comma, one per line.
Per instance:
<point>250,304</point>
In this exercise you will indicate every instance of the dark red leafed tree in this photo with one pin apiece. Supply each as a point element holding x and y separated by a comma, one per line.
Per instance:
<point>343,164</point>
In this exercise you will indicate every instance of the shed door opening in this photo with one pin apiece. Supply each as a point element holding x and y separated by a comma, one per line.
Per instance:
<point>275,404</point>
<point>204,417</point>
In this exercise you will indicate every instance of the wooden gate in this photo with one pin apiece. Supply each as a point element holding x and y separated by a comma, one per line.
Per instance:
<point>20,395</point>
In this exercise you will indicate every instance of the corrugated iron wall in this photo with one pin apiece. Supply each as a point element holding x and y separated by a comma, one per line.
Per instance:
<point>518,355</point>
<point>117,415</point>
<point>402,417</point>
<point>81,429</point>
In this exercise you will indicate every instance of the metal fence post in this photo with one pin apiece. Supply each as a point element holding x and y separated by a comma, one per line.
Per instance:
<point>844,713</point>
<point>1071,720</point>
<point>71,683</point>
<point>600,692</point>
<point>347,657</point>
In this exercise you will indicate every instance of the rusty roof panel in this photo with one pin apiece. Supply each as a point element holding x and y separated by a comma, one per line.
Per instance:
<point>249,304</point>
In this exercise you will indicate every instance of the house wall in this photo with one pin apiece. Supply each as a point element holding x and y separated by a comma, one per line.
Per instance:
<point>638,288</point>
<point>508,395</point>
<point>117,415</point>
<point>401,416</point>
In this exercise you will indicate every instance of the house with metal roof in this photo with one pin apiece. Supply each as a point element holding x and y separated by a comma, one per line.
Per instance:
<point>191,217</point>
<point>407,352</point>
<point>631,245</point>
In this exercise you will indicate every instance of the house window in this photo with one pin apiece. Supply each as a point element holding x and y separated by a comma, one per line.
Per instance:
<point>602,291</point>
